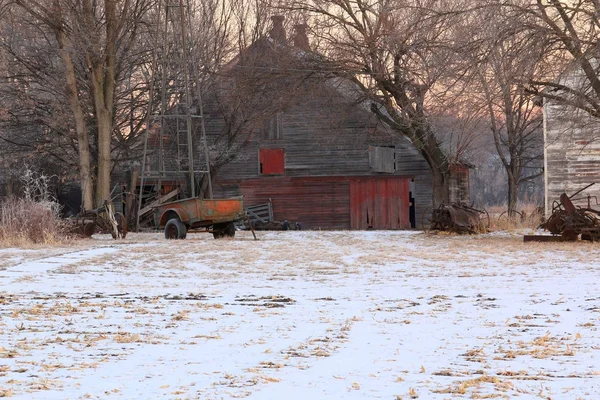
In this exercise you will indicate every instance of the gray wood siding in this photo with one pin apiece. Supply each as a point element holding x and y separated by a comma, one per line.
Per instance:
<point>422,195</point>
<point>325,134</point>
<point>572,153</point>
<point>382,159</point>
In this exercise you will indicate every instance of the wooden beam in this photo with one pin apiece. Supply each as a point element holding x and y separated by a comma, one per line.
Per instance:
<point>546,238</point>
<point>159,201</point>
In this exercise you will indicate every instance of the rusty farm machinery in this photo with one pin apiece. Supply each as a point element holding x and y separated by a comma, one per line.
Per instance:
<point>457,218</point>
<point>569,222</point>
<point>102,219</point>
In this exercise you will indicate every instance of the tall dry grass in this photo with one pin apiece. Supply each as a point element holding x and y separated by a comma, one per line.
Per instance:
<point>33,219</point>
<point>528,216</point>
<point>25,221</point>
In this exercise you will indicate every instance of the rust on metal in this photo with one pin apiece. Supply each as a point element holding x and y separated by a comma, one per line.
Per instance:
<point>196,213</point>
<point>102,219</point>
<point>570,221</point>
<point>459,218</point>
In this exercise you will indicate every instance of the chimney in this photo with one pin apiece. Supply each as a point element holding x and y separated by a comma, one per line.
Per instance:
<point>300,37</point>
<point>277,32</point>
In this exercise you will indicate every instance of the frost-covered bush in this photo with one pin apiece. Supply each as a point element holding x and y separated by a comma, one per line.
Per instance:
<point>33,218</point>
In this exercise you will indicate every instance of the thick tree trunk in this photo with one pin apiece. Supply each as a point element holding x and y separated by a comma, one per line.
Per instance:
<point>441,187</point>
<point>203,189</point>
<point>104,157</point>
<point>83,143</point>
<point>438,162</point>
<point>104,130</point>
<point>513,187</point>
<point>103,76</point>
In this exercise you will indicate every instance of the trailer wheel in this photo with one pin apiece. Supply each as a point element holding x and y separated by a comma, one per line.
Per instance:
<point>175,229</point>
<point>224,229</point>
<point>89,229</point>
<point>229,230</point>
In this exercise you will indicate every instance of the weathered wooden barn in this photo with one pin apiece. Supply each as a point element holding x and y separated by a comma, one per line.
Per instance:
<point>286,131</point>
<point>571,150</point>
<point>319,156</point>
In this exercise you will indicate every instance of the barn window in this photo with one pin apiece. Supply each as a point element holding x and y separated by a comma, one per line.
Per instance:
<point>274,129</point>
<point>382,159</point>
<point>272,161</point>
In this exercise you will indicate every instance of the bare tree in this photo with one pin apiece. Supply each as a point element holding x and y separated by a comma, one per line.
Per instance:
<point>505,56</point>
<point>401,54</point>
<point>570,29</point>
<point>93,40</point>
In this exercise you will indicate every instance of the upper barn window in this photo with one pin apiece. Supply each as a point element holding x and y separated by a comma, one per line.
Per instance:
<point>274,129</point>
<point>272,161</point>
<point>382,159</point>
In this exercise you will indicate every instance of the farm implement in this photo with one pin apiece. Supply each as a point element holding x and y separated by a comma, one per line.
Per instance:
<point>567,222</point>
<point>214,216</point>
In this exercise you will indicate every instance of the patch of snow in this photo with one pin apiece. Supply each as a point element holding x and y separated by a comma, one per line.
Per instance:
<point>296,315</point>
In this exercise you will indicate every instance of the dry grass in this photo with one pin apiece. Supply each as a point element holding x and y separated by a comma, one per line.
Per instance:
<point>505,223</point>
<point>476,383</point>
<point>528,217</point>
<point>34,218</point>
<point>25,222</point>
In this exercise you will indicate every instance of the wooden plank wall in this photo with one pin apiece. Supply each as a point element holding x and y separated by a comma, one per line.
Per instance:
<point>290,195</point>
<point>317,203</point>
<point>325,135</point>
<point>423,185</point>
<point>572,154</point>
<point>379,203</point>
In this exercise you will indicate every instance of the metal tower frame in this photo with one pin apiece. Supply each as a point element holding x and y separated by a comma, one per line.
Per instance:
<point>173,22</point>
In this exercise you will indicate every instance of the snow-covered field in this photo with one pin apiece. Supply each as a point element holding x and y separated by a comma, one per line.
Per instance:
<point>301,315</point>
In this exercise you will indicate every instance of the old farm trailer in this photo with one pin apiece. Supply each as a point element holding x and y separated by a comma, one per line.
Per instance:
<point>170,149</point>
<point>215,216</point>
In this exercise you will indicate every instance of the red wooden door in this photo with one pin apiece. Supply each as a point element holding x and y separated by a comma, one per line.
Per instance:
<point>379,203</point>
<point>272,161</point>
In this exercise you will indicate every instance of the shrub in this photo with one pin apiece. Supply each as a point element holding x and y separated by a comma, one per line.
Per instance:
<point>33,219</point>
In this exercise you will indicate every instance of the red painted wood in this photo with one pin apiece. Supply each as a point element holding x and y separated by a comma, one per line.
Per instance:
<point>317,203</point>
<point>379,203</point>
<point>332,202</point>
<point>272,161</point>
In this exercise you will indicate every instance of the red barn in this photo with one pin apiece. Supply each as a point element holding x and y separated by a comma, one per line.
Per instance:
<point>317,152</point>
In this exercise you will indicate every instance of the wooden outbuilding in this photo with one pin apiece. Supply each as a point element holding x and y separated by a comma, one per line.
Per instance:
<point>320,157</point>
<point>571,149</point>
<point>284,128</point>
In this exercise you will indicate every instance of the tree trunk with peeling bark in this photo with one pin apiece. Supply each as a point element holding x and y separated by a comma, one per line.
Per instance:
<point>83,142</point>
